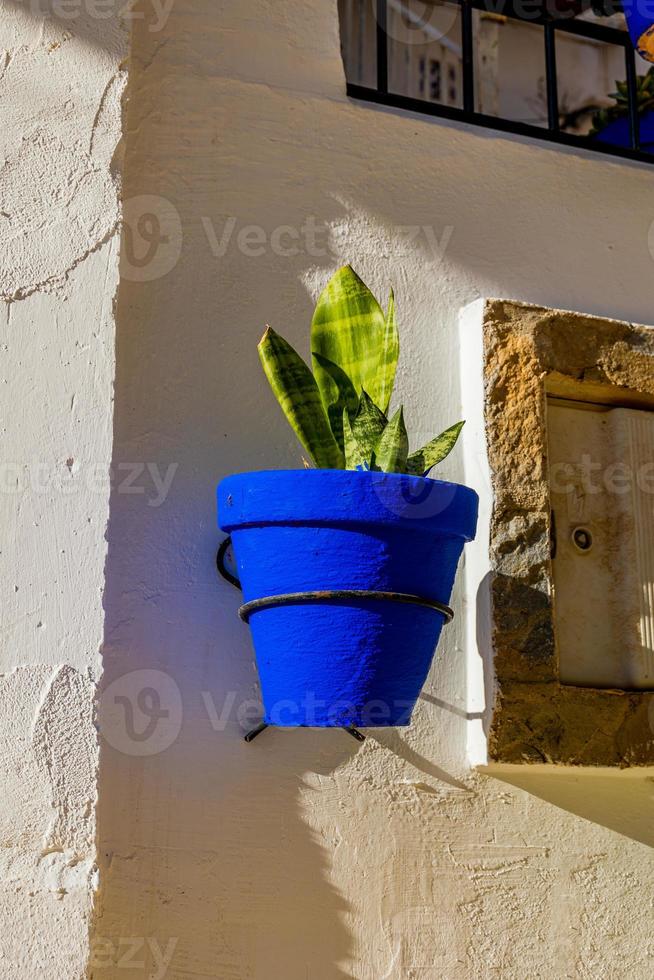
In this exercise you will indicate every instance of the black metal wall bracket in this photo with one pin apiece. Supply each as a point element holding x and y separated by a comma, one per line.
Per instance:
<point>251,735</point>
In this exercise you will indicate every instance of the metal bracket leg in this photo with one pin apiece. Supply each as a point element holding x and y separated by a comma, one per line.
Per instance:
<point>251,735</point>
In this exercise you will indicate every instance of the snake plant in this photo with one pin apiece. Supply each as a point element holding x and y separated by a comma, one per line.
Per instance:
<point>339,412</point>
<point>620,108</point>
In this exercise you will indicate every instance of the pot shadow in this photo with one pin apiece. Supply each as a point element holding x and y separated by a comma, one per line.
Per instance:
<point>392,740</point>
<point>452,708</point>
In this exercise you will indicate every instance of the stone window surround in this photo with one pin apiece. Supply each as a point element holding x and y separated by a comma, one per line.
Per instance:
<point>530,353</point>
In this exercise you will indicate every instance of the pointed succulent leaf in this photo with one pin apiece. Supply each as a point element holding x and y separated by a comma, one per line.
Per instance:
<point>355,458</point>
<point>389,355</point>
<point>368,425</point>
<point>341,392</point>
<point>393,446</point>
<point>297,392</point>
<point>349,328</point>
<point>420,462</point>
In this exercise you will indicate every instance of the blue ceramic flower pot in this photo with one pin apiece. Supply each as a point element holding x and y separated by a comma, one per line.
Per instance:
<point>618,132</point>
<point>341,661</point>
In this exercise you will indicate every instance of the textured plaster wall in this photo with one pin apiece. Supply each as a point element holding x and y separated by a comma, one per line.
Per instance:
<point>305,854</point>
<point>60,84</point>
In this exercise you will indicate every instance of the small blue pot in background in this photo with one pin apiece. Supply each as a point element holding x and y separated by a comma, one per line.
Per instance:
<point>344,662</point>
<point>618,132</point>
<point>640,22</point>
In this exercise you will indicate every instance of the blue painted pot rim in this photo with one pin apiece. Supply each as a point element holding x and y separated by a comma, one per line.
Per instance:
<point>346,497</point>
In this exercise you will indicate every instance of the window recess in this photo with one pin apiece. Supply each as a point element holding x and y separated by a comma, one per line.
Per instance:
<point>545,70</point>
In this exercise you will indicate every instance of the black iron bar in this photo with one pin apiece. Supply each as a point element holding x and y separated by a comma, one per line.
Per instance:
<point>593,31</point>
<point>467,45</point>
<point>583,28</point>
<point>382,46</point>
<point>551,77</point>
<point>250,737</point>
<point>221,565</point>
<point>632,91</point>
<point>343,596</point>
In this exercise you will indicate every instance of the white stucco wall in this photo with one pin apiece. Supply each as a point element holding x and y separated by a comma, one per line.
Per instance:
<point>60,83</point>
<point>305,854</point>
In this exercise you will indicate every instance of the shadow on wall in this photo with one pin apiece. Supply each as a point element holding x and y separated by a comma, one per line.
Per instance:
<point>205,863</point>
<point>622,801</point>
<point>204,855</point>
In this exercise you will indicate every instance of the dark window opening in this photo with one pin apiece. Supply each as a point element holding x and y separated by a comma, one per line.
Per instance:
<point>435,80</point>
<point>543,68</point>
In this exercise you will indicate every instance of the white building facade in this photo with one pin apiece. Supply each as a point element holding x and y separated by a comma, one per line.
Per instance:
<point>167,846</point>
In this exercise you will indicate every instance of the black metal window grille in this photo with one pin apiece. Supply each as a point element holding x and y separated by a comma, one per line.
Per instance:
<point>551,27</point>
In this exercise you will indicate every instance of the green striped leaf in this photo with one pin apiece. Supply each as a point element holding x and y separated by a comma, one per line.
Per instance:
<point>342,393</point>
<point>297,392</point>
<point>389,355</point>
<point>420,462</point>
<point>349,329</point>
<point>368,425</point>
<point>354,457</point>
<point>392,448</point>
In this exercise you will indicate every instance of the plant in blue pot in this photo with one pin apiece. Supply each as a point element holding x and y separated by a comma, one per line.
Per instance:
<point>612,125</point>
<point>346,568</point>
